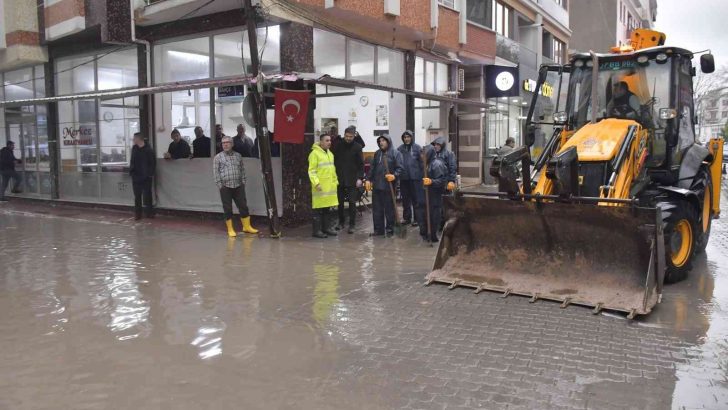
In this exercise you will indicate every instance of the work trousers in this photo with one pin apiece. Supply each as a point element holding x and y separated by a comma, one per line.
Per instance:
<point>412,200</point>
<point>435,198</point>
<point>6,175</point>
<point>348,194</point>
<point>237,194</point>
<point>143,191</point>
<point>382,211</point>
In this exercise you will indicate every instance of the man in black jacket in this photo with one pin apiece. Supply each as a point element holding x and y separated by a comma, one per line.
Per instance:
<point>441,177</point>
<point>178,148</point>
<point>7,169</point>
<point>242,143</point>
<point>349,162</point>
<point>410,182</point>
<point>141,168</point>
<point>201,143</point>
<point>385,169</point>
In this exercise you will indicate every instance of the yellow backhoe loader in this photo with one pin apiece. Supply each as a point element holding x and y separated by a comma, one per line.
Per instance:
<point>619,199</point>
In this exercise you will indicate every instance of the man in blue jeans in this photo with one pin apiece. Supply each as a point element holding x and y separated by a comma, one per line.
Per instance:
<point>7,169</point>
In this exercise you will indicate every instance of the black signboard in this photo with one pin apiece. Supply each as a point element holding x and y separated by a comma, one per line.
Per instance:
<point>230,91</point>
<point>501,81</point>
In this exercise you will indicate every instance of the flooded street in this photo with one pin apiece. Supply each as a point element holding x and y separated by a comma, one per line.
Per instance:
<point>101,312</point>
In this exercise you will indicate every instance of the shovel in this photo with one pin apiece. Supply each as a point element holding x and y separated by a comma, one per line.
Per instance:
<point>402,233</point>
<point>427,201</point>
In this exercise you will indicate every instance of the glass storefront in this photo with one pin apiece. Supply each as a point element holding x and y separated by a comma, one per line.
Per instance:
<point>27,126</point>
<point>373,112</point>
<point>205,57</point>
<point>95,136</point>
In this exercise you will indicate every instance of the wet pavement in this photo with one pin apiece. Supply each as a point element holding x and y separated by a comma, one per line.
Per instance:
<point>102,312</point>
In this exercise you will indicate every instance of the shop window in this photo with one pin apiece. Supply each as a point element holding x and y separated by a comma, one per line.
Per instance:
<point>182,60</point>
<point>118,70</point>
<point>19,84</point>
<point>27,126</point>
<point>329,53</point>
<point>229,47</point>
<point>75,75</point>
<point>361,61</point>
<point>390,67</point>
<point>95,137</point>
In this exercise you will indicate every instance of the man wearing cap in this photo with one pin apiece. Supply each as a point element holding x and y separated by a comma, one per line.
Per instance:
<point>410,185</point>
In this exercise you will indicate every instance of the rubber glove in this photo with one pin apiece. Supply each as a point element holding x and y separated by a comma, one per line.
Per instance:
<point>368,186</point>
<point>389,177</point>
<point>450,186</point>
<point>426,181</point>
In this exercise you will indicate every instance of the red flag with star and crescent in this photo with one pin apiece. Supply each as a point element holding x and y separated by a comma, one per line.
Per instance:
<point>290,115</point>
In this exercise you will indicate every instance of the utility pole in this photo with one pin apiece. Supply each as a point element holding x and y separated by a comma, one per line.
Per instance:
<point>261,125</point>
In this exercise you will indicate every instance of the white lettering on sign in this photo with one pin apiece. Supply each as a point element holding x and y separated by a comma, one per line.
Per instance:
<point>547,90</point>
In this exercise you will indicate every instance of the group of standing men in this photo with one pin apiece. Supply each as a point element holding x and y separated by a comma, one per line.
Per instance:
<point>336,172</point>
<point>227,166</point>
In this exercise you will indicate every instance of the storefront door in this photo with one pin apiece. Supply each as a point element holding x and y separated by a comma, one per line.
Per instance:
<point>27,127</point>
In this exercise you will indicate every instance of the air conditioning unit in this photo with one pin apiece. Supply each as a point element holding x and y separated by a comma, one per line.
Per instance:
<point>391,7</point>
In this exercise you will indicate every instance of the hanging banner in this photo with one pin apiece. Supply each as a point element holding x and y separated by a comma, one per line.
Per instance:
<point>501,81</point>
<point>291,111</point>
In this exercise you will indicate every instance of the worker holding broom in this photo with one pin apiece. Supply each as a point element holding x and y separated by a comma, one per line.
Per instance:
<point>385,168</point>
<point>440,176</point>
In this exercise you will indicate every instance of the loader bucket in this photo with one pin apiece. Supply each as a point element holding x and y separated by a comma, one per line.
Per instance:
<point>606,257</point>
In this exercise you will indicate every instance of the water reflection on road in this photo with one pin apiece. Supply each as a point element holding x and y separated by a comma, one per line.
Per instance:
<point>106,313</point>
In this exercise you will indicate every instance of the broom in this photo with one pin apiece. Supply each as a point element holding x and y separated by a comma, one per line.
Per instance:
<point>402,233</point>
<point>427,200</point>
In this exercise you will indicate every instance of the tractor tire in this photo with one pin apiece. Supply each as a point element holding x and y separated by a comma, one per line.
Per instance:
<point>679,224</point>
<point>703,184</point>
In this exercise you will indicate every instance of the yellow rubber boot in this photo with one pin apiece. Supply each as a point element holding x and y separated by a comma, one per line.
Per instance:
<point>247,227</point>
<point>231,230</point>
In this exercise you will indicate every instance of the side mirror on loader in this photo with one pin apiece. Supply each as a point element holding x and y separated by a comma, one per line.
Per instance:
<point>707,63</point>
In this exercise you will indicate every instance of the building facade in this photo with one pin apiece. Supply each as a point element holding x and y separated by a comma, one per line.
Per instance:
<point>712,112</point>
<point>78,150</point>
<point>599,25</point>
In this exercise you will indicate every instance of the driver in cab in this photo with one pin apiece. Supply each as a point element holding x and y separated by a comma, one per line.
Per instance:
<point>624,103</point>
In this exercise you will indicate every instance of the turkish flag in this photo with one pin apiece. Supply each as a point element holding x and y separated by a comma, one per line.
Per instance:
<point>291,113</point>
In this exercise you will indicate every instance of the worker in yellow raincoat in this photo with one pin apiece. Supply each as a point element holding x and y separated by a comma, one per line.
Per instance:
<point>322,173</point>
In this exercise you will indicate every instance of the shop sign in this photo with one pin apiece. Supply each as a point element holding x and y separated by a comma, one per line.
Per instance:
<point>547,90</point>
<point>83,135</point>
<point>501,81</point>
<point>230,91</point>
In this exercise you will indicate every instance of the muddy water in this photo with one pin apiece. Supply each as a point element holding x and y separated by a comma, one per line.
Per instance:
<point>105,314</point>
<point>99,312</point>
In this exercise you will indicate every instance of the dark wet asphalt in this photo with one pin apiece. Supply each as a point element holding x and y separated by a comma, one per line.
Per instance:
<point>101,312</point>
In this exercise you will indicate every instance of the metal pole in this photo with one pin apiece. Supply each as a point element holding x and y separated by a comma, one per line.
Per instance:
<point>261,126</point>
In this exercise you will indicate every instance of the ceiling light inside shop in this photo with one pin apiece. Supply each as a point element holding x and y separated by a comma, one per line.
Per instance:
<point>524,103</point>
<point>515,100</point>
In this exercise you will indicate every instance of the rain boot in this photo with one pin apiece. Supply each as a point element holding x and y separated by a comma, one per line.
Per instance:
<point>247,227</point>
<point>317,225</point>
<point>230,229</point>
<point>326,223</point>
